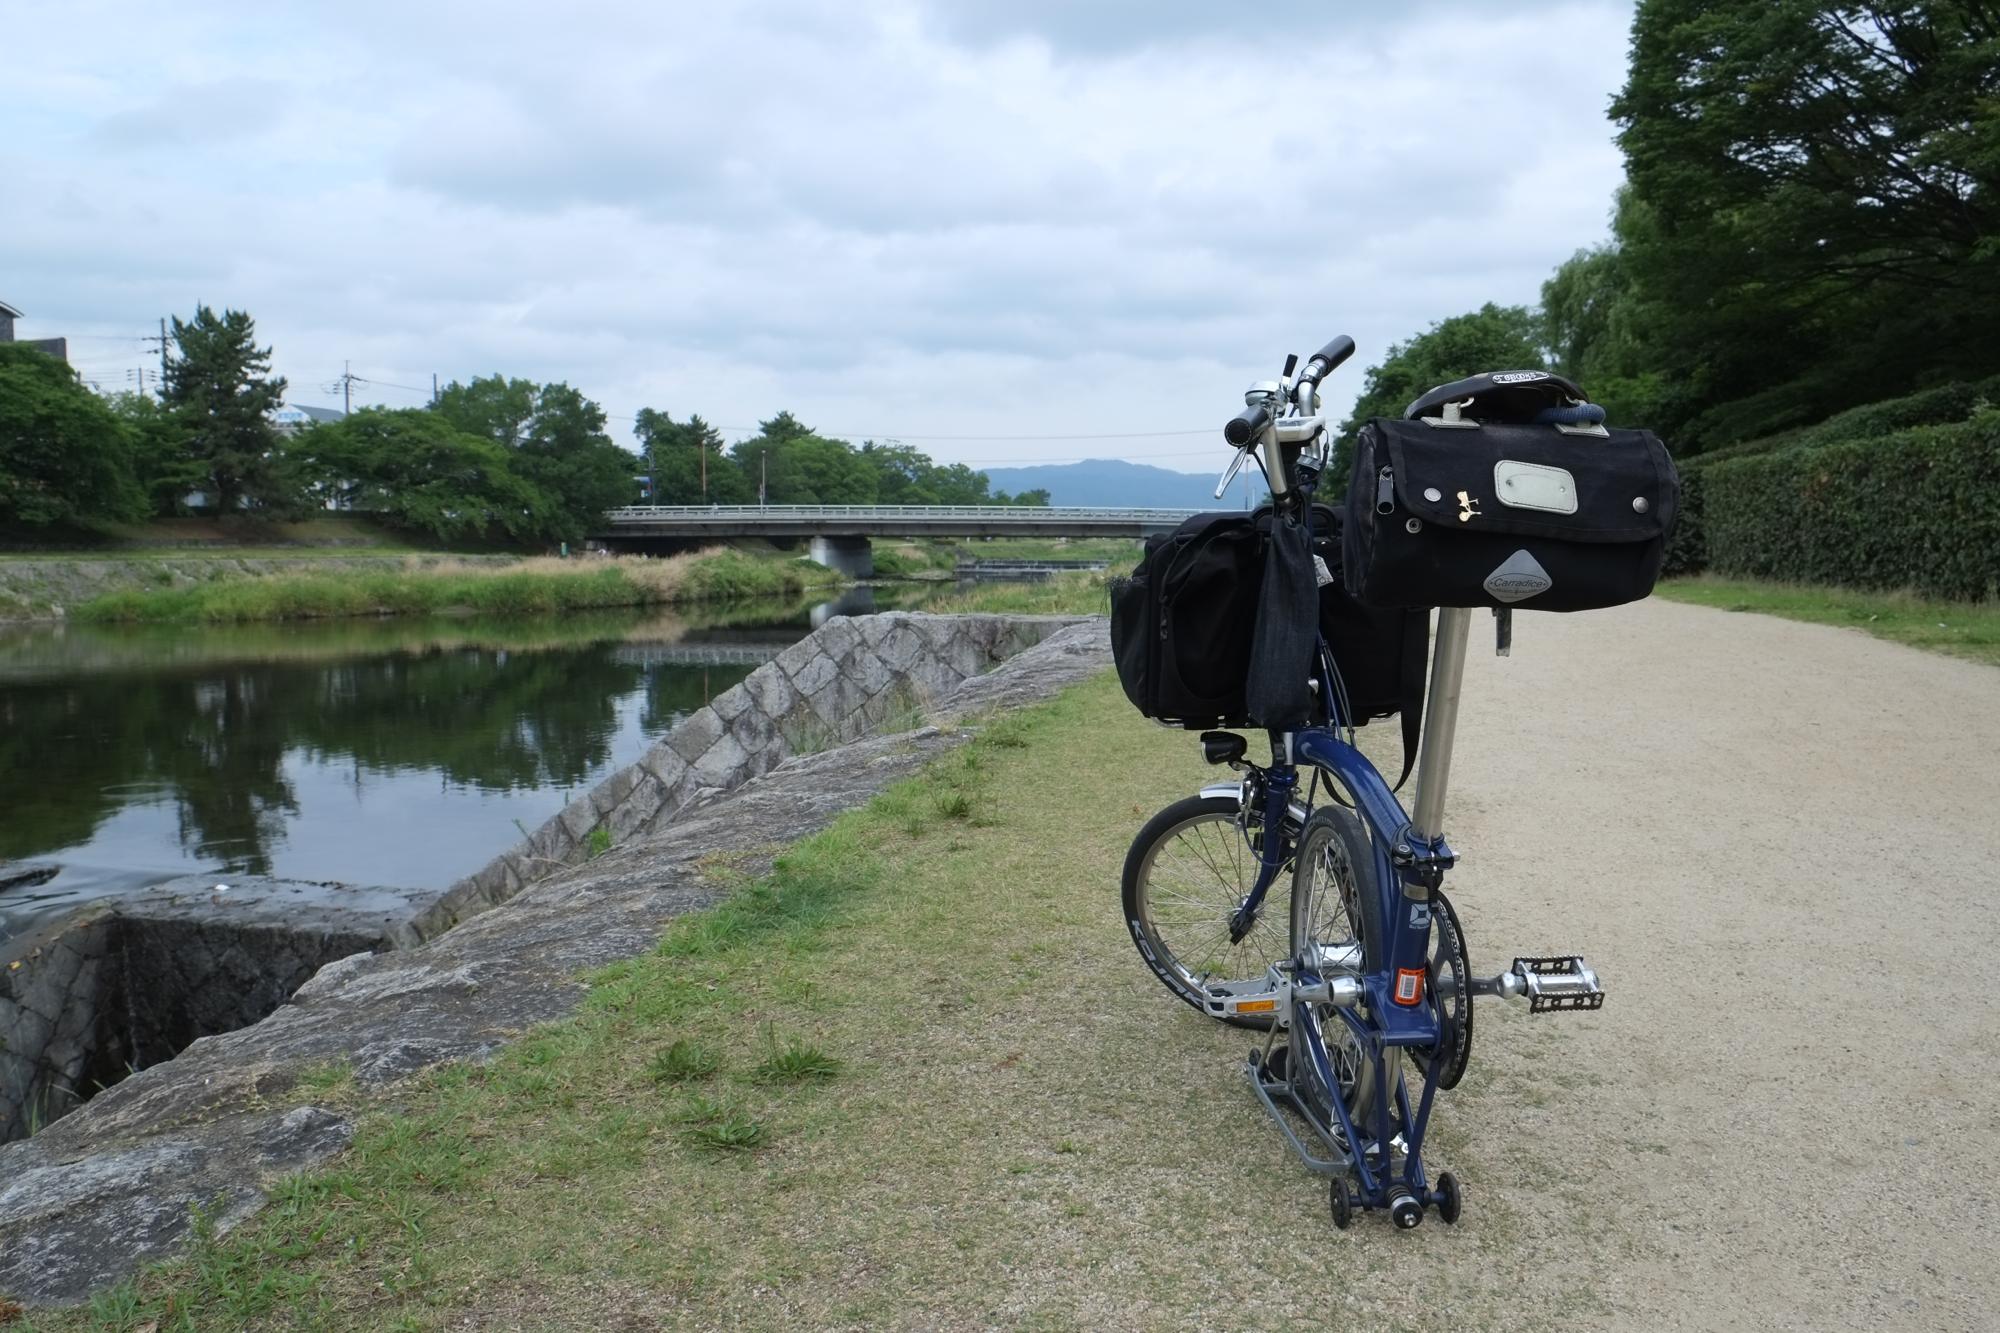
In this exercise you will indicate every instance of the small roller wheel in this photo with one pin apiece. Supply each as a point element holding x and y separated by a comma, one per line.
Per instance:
<point>1448,1200</point>
<point>1342,1203</point>
<point>1277,1065</point>
<point>1405,1212</point>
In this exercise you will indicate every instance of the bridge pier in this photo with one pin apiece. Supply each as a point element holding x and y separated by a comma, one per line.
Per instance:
<point>852,556</point>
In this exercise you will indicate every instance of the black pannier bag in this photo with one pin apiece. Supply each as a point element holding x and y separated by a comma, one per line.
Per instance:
<point>1445,508</point>
<point>1183,626</point>
<point>1182,623</point>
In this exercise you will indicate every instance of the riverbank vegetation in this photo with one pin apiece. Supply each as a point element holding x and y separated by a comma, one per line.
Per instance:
<point>1078,592</point>
<point>530,587</point>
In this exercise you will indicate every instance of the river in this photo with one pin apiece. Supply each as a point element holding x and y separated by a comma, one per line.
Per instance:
<point>398,752</point>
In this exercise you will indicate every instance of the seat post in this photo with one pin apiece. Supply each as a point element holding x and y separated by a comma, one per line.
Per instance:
<point>1440,722</point>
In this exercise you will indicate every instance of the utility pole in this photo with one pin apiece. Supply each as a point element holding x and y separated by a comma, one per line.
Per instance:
<point>434,388</point>
<point>346,385</point>
<point>162,340</point>
<point>702,445</point>
<point>763,474</point>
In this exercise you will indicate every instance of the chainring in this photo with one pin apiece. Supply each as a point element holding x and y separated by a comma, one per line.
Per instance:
<point>1447,957</point>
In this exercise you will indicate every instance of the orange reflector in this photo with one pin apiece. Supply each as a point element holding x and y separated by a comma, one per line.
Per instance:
<point>1256,1006</point>
<point>1409,985</point>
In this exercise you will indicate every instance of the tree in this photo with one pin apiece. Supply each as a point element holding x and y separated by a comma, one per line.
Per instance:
<point>1035,499</point>
<point>673,453</point>
<point>64,455</point>
<point>219,387</point>
<point>166,469</point>
<point>1490,338</point>
<point>1813,217</point>
<point>556,443</point>
<point>418,470</point>
<point>1595,327</point>
<point>803,468</point>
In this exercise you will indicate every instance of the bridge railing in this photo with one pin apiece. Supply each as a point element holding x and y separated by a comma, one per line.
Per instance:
<point>737,514</point>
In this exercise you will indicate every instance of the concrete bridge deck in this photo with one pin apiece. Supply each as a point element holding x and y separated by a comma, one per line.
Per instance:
<point>888,521</point>
<point>840,533</point>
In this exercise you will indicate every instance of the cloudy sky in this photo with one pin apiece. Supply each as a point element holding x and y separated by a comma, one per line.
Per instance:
<point>918,219</point>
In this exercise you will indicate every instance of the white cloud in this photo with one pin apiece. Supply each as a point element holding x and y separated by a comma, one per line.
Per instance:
<point>958,219</point>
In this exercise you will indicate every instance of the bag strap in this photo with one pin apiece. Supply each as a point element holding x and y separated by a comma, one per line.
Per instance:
<point>1416,655</point>
<point>1416,659</point>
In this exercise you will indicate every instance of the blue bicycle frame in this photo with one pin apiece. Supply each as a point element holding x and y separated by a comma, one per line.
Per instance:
<point>1410,857</point>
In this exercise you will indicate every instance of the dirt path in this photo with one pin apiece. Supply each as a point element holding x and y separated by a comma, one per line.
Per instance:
<point>1779,844</point>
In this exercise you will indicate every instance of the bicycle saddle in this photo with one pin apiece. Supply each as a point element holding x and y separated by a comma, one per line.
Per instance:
<point>1501,395</point>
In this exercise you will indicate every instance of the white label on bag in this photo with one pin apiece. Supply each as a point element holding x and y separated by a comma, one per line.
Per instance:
<point>1321,572</point>
<point>1519,577</point>
<point>1534,486</point>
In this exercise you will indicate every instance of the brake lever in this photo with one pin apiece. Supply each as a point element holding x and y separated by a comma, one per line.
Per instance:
<point>1235,466</point>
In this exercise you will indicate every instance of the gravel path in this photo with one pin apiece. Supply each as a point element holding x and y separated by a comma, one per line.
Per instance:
<point>1778,843</point>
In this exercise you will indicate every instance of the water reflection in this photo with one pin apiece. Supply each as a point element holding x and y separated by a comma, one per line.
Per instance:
<point>386,752</point>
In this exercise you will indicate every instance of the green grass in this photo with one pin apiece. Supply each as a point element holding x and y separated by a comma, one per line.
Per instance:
<point>919,559</point>
<point>1121,552</point>
<point>726,574</point>
<point>683,1061</point>
<point>537,587</point>
<point>1080,592</point>
<point>795,1061</point>
<point>1961,629</point>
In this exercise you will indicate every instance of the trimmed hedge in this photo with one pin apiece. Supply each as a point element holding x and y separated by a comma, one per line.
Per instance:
<point>1690,549</point>
<point>1917,509</point>
<point>1930,407</point>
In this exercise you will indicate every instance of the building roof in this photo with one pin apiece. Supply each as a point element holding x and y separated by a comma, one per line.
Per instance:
<point>299,413</point>
<point>6,309</point>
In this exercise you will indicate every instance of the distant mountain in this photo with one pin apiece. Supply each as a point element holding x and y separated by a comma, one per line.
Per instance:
<point>1107,481</point>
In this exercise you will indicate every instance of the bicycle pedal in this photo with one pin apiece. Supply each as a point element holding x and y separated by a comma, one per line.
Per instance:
<point>1558,982</point>
<point>1249,999</point>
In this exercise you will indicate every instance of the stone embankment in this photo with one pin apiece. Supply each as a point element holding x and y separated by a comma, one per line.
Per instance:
<point>94,1194</point>
<point>46,589</point>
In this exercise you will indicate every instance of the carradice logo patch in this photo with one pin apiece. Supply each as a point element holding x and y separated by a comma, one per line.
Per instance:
<point>1518,577</point>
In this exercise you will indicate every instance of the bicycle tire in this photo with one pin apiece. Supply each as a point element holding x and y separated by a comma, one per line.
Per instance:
<point>1188,869</point>
<point>1334,830</point>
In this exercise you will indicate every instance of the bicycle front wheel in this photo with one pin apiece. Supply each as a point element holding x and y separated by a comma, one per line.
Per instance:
<point>1189,869</point>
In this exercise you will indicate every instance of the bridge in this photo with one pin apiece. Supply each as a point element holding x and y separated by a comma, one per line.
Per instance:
<point>840,533</point>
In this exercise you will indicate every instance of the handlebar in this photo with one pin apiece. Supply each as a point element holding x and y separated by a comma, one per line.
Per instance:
<point>1246,426</point>
<point>1323,362</point>
<point>1297,405</point>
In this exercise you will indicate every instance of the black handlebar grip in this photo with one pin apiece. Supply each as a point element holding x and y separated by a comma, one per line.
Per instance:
<point>1246,426</point>
<point>1322,362</point>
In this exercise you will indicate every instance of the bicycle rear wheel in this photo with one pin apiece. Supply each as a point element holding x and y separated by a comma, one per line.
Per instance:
<point>1189,869</point>
<point>1334,906</point>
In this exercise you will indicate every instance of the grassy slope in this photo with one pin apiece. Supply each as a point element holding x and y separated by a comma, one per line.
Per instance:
<point>1077,593</point>
<point>182,538</point>
<point>1961,629</point>
<point>1018,1127</point>
<point>530,587</point>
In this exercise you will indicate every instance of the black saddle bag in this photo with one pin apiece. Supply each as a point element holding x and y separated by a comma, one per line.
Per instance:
<point>1502,514</point>
<point>1183,626</point>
